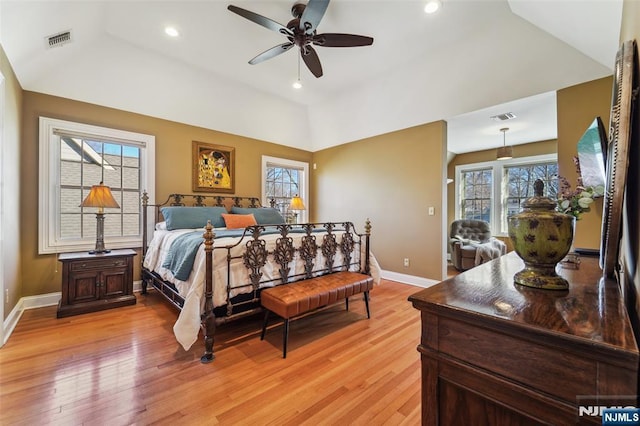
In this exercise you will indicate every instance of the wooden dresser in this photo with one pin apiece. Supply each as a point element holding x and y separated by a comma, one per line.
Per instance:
<point>494,353</point>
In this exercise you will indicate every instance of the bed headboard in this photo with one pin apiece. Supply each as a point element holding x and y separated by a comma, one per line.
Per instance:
<point>193,200</point>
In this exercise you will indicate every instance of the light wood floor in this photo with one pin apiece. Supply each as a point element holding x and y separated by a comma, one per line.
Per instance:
<point>123,366</point>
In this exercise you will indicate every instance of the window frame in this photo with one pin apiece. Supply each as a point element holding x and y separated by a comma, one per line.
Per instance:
<point>304,184</point>
<point>497,187</point>
<point>49,241</point>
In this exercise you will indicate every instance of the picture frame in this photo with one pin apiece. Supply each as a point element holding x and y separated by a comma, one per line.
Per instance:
<point>213,168</point>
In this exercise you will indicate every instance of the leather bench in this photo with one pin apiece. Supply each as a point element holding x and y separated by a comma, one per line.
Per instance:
<point>300,297</point>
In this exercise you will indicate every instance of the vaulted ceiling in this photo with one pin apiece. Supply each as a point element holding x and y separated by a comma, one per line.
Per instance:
<point>470,60</point>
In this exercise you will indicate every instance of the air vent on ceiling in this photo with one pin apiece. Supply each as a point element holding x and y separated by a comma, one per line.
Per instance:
<point>59,39</point>
<point>503,117</point>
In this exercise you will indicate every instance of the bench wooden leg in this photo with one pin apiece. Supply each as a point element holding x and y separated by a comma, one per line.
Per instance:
<point>285,337</point>
<point>346,302</point>
<point>366,302</point>
<point>264,324</point>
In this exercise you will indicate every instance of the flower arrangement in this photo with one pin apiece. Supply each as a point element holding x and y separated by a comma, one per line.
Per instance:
<point>576,201</point>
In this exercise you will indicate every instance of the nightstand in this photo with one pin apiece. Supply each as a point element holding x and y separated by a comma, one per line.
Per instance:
<point>93,282</point>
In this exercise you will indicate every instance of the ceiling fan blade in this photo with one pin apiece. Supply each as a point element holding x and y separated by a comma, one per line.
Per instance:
<point>312,15</point>
<point>310,58</point>
<point>268,54</point>
<point>261,20</point>
<point>341,40</point>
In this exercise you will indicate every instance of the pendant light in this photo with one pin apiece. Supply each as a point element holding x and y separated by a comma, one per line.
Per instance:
<point>505,152</point>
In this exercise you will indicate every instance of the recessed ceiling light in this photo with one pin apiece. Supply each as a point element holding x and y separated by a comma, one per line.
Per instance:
<point>432,6</point>
<point>171,31</point>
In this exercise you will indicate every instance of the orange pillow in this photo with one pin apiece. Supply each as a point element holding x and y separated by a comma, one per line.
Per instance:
<point>239,221</point>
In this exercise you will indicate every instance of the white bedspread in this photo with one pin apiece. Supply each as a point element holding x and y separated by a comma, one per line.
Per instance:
<point>187,326</point>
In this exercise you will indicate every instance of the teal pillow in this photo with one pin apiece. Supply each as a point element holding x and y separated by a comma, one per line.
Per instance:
<point>181,217</point>
<point>263,215</point>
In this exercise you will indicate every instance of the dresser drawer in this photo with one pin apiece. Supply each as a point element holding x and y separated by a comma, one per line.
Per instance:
<point>535,366</point>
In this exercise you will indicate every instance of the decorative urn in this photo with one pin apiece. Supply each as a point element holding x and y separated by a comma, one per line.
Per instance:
<point>542,237</point>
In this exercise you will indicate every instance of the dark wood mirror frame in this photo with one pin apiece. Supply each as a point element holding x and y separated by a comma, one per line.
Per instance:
<point>618,156</point>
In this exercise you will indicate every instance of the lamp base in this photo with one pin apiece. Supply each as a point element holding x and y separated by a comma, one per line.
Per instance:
<point>99,251</point>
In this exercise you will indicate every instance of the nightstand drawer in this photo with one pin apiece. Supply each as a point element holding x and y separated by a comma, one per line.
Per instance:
<point>84,265</point>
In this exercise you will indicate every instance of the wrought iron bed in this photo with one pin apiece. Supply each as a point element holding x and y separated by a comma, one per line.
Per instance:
<point>340,248</point>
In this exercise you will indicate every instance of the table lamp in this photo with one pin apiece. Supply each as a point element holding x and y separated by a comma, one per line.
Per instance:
<point>296,205</point>
<point>100,197</point>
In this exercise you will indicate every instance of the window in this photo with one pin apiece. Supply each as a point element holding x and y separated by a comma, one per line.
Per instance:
<point>73,158</point>
<point>476,201</point>
<point>493,191</point>
<point>283,179</point>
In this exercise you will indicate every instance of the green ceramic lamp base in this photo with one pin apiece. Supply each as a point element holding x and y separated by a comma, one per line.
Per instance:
<point>543,278</point>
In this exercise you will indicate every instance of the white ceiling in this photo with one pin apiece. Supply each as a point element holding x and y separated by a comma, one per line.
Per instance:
<point>471,60</point>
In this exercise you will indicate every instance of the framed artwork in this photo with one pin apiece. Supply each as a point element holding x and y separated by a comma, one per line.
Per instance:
<point>213,168</point>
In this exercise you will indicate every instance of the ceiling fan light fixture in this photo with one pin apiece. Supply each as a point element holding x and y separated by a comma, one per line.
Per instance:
<point>432,6</point>
<point>297,84</point>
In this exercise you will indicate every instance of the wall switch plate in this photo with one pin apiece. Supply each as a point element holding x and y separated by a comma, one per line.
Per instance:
<point>432,211</point>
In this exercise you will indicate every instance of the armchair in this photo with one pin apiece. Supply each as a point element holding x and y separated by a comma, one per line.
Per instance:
<point>464,237</point>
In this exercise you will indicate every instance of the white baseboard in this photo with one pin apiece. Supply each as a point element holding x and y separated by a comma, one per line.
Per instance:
<point>28,302</point>
<point>408,279</point>
<point>39,301</point>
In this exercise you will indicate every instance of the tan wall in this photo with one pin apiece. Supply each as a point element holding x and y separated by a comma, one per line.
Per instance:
<point>11,188</point>
<point>524,150</point>
<point>392,179</point>
<point>41,274</point>
<point>630,28</point>
<point>577,107</point>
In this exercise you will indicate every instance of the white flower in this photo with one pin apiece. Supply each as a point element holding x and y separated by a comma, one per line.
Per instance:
<point>585,201</point>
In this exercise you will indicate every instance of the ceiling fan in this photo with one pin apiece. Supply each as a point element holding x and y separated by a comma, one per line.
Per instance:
<point>301,32</point>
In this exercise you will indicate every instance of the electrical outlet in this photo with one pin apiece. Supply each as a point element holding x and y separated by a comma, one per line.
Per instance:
<point>6,295</point>
<point>406,262</point>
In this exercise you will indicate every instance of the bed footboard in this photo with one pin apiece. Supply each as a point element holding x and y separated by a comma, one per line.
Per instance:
<point>312,240</point>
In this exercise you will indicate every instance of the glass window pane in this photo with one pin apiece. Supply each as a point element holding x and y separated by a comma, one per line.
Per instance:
<point>112,177</point>
<point>131,224</point>
<point>91,174</point>
<point>101,162</point>
<point>70,200</point>
<point>112,154</point>
<point>130,156</point>
<point>70,226</point>
<point>89,226</point>
<point>477,194</point>
<point>112,225</point>
<point>70,173</point>
<point>130,202</point>
<point>131,178</point>
<point>282,184</point>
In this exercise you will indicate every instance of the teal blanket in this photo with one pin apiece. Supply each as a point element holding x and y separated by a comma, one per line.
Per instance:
<point>182,253</point>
